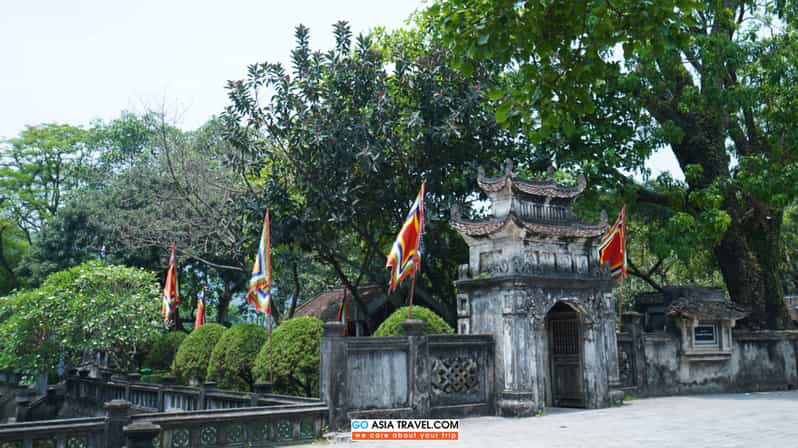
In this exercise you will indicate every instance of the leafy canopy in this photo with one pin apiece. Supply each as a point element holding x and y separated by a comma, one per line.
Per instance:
<point>92,307</point>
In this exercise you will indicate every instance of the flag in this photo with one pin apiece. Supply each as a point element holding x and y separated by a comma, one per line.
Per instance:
<point>170,297</point>
<point>200,319</point>
<point>405,256</point>
<point>259,292</point>
<point>342,309</point>
<point>612,247</point>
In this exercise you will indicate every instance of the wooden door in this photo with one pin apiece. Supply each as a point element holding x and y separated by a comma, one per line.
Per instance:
<point>566,360</point>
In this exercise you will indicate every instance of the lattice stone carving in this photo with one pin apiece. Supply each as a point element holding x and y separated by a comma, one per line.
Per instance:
<point>454,375</point>
<point>307,429</point>
<point>234,433</point>
<point>14,444</point>
<point>208,436</point>
<point>285,430</point>
<point>257,432</point>
<point>77,442</point>
<point>44,443</point>
<point>180,438</point>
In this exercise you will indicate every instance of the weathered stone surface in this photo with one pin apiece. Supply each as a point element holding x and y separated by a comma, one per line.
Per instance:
<point>530,255</point>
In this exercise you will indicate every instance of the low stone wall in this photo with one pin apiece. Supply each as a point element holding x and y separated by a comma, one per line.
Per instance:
<point>654,364</point>
<point>411,376</point>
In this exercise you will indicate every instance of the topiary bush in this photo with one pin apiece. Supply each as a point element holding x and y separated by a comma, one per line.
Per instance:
<point>234,355</point>
<point>191,363</point>
<point>161,350</point>
<point>435,324</point>
<point>295,357</point>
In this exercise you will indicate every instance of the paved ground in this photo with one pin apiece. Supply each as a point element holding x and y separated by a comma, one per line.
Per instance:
<point>766,420</point>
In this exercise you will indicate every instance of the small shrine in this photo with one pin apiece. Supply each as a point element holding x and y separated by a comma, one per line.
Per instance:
<point>533,281</point>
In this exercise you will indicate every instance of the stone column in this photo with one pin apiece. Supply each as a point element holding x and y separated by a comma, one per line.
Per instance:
<point>418,359</point>
<point>22,403</point>
<point>332,379</point>
<point>518,397</point>
<point>141,434</point>
<point>632,323</point>
<point>202,402</point>
<point>118,413</point>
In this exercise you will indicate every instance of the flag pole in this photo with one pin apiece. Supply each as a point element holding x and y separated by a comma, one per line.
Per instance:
<point>418,248</point>
<point>269,270</point>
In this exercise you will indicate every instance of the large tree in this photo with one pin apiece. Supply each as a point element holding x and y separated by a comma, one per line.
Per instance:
<point>345,138</point>
<point>603,84</point>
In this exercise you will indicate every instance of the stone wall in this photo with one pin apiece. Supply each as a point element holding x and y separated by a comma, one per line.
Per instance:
<point>412,376</point>
<point>653,364</point>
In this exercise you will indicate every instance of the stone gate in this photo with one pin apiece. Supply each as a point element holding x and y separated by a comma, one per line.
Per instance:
<point>533,281</point>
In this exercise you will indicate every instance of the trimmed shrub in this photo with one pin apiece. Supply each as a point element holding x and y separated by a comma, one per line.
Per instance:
<point>234,355</point>
<point>192,358</point>
<point>295,357</point>
<point>161,350</point>
<point>435,324</point>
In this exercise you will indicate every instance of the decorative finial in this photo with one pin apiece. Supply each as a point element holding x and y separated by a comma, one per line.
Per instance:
<point>480,171</point>
<point>508,168</point>
<point>454,212</point>
<point>603,218</point>
<point>550,171</point>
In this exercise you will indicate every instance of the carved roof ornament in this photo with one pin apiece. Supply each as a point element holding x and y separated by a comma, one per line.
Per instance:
<point>537,207</point>
<point>543,188</point>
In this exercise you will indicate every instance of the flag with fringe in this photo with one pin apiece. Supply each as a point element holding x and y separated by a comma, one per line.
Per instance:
<point>612,248</point>
<point>259,292</point>
<point>200,319</point>
<point>170,296</point>
<point>405,256</point>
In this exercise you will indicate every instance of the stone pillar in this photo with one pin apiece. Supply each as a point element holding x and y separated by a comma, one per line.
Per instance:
<point>631,322</point>
<point>140,434</point>
<point>164,391</point>
<point>519,396</point>
<point>22,403</point>
<point>419,384</point>
<point>203,392</point>
<point>118,415</point>
<point>332,379</point>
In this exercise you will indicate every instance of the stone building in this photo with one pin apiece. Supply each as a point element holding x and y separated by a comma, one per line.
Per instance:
<point>533,281</point>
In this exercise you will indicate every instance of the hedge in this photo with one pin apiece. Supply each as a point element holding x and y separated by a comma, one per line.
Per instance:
<point>234,355</point>
<point>295,357</point>
<point>191,363</point>
<point>392,325</point>
<point>161,350</point>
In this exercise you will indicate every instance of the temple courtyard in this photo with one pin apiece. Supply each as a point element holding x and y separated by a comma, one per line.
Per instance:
<point>767,419</point>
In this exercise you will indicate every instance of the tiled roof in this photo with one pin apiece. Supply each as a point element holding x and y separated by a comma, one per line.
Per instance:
<point>483,228</point>
<point>325,305</point>
<point>547,188</point>
<point>709,309</point>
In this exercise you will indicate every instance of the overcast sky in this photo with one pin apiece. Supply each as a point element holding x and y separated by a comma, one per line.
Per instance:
<point>74,61</point>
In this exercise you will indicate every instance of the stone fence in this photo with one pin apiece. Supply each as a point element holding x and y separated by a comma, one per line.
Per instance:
<point>657,364</point>
<point>411,376</point>
<point>86,396</point>
<point>121,426</point>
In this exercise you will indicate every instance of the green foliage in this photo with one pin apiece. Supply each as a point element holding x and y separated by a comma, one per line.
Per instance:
<point>234,355</point>
<point>295,357</point>
<point>391,326</point>
<point>602,85</point>
<point>93,306</point>
<point>194,353</point>
<point>340,143</point>
<point>161,350</point>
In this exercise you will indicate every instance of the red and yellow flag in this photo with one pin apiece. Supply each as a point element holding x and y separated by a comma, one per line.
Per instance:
<point>612,248</point>
<point>405,256</point>
<point>170,297</point>
<point>259,292</point>
<point>200,319</point>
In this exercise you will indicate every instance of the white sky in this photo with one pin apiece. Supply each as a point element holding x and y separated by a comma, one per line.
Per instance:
<point>74,61</point>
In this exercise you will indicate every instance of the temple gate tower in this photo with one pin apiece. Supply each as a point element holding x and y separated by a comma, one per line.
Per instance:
<point>533,281</point>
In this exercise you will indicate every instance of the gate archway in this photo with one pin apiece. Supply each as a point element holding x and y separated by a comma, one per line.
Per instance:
<point>565,349</point>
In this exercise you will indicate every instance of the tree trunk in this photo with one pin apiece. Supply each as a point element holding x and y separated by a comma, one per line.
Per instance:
<point>750,256</point>
<point>224,303</point>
